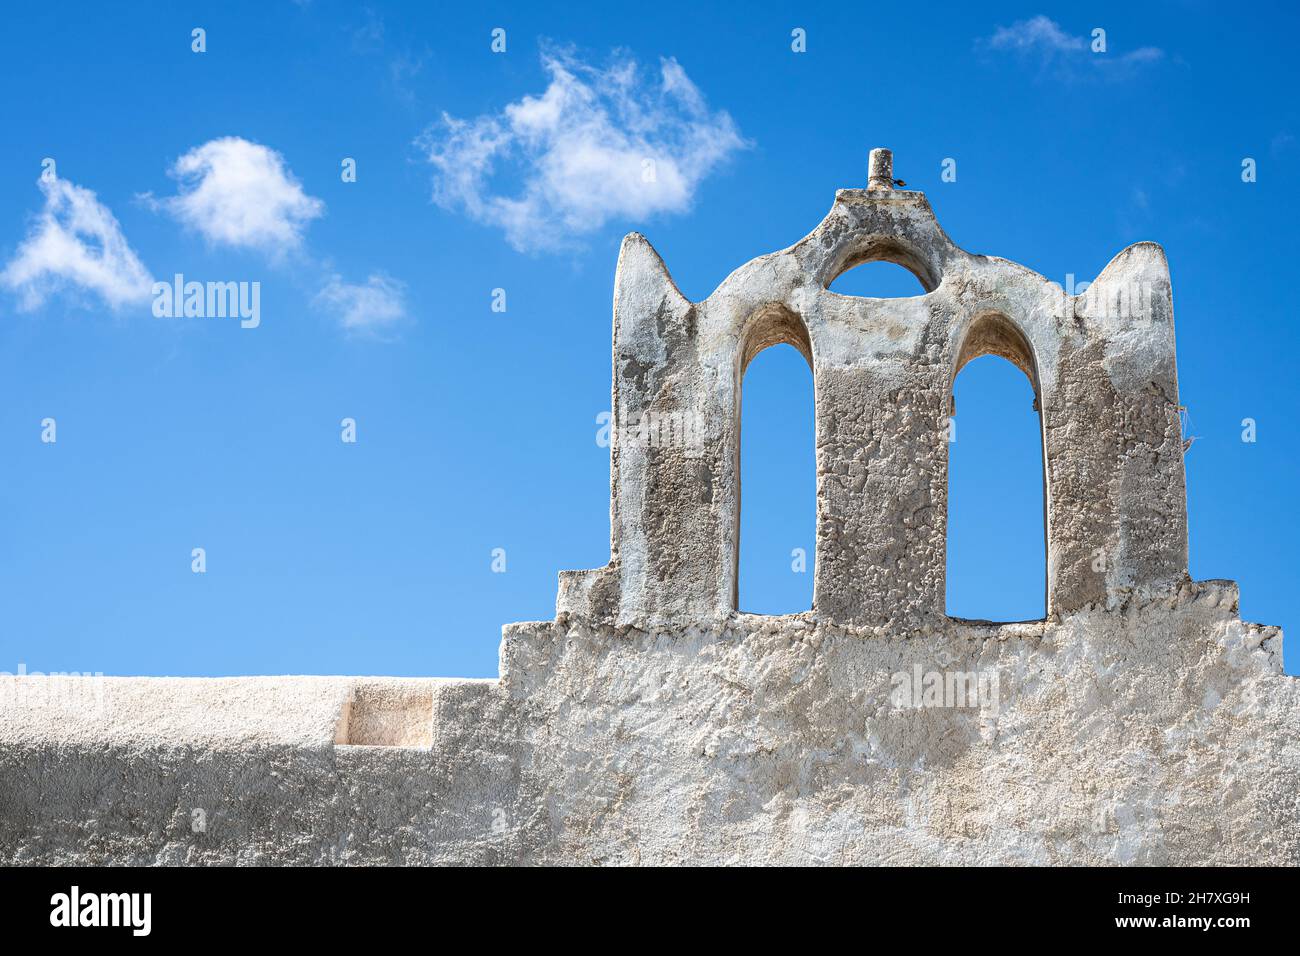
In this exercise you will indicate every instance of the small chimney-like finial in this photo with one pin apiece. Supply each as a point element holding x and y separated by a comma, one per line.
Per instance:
<point>880,169</point>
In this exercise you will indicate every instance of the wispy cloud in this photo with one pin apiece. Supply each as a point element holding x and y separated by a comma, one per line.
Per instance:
<point>1042,41</point>
<point>1143,54</point>
<point>598,143</point>
<point>75,241</point>
<point>404,57</point>
<point>373,306</point>
<point>238,193</point>
<point>1040,35</point>
<point>369,36</point>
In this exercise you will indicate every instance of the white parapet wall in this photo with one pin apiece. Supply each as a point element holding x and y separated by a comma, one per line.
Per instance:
<point>1159,733</point>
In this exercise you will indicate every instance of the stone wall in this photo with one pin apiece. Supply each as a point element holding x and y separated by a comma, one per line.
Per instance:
<point>1160,732</point>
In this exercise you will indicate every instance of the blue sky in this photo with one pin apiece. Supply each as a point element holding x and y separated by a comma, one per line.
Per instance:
<point>476,429</point>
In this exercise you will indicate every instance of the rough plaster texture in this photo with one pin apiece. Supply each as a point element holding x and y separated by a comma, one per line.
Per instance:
<point>1141,722</point>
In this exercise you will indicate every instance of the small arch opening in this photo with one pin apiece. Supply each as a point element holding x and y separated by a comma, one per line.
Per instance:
<point>777,467</point>
<point>876,264</point>
<point>997,490</point>
<point>878,279</point>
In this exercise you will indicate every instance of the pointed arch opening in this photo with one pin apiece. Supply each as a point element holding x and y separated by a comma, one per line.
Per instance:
<point>776,466</point>
<point>997,489</point>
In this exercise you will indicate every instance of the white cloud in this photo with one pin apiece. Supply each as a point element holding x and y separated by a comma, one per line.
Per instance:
<point>238,193</point>
<point>1040,34</point>
<point>1144,54</point>
<point>598,143</point>
<point>77,241</point>
<point>1042,39</point>
<point>369,307</point>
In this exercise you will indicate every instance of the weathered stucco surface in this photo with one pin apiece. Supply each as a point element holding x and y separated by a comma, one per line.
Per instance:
<point>1141,722</point>
<point>1160,733</point>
